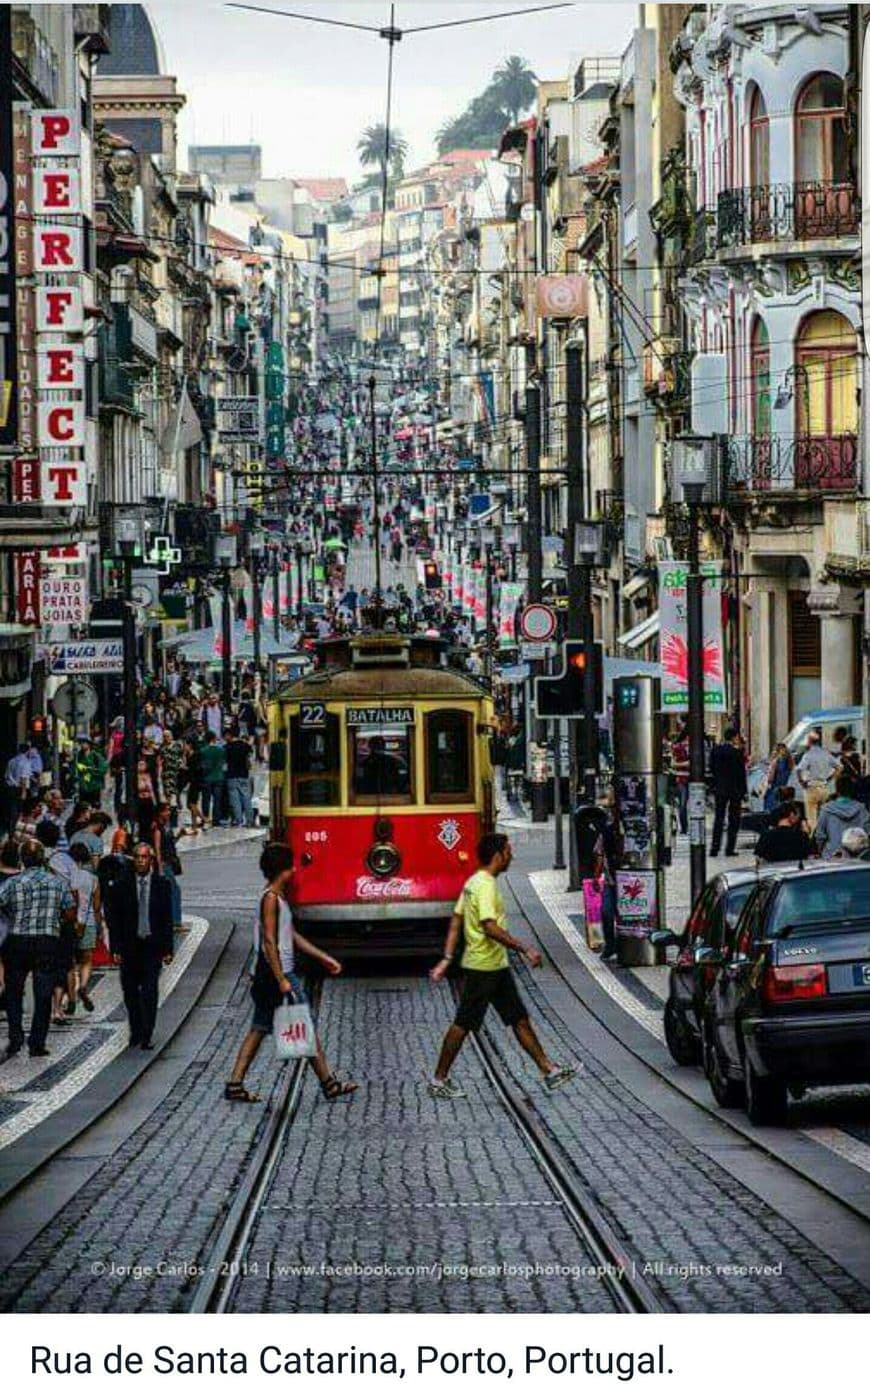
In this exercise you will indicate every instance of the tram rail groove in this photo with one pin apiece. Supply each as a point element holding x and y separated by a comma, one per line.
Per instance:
<point>217,1284</point>
<point>629,1293</point>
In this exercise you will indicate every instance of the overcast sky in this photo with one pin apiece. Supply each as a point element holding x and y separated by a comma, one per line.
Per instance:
<point>305,91</point>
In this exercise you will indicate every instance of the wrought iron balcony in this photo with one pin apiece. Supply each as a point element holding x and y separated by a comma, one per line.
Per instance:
<point>827,465</point>
<point>787,212</point>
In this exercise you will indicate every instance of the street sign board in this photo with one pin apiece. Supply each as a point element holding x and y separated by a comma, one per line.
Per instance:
<point>75,700</point>
<point>87,656</point>
<point>530,650</point>
<point>537,623</point>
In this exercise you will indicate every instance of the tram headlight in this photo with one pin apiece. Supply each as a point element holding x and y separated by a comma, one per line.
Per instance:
<point>383,859</point>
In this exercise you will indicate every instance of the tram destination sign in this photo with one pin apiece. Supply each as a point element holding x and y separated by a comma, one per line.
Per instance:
<point>380,716</point>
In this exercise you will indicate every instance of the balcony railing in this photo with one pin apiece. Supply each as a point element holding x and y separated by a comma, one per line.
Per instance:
<point>818,464</point>
<point>787,211</point>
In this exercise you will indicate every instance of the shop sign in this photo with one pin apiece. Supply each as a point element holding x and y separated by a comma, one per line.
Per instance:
<point>61,422</point>
<point>60,308</point>
<point>86,656</point>
<point>238,420</point>
<point>64,600</point>
<point>63,483</point>
<point>27,588</point>
<point>57,248</point>
<point>8,335</point>
<point>61,366</point>
<point>26,481</point>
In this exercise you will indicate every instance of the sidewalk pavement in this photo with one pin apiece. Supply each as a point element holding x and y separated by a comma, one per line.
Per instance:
<point>31,1088</point>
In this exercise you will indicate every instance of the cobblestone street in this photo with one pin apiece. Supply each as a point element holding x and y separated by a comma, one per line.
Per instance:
<point>387,1201</point>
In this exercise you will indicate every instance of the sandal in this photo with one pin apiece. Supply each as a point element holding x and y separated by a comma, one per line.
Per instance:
<point>334,1086</point>
<point>235,1091</point>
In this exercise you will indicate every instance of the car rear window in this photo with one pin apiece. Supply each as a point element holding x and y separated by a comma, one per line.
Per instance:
<point>734,901</point>
<point>824,896</point>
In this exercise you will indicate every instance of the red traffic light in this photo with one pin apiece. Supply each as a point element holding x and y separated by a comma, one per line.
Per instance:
<point>577,660</point>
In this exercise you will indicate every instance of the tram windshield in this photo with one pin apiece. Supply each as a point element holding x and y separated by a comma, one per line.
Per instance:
<point>315,761</point>
<point>382,764</point>
<point>448,757</point>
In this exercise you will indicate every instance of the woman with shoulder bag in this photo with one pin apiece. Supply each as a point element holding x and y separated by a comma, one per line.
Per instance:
<point>275,944</point>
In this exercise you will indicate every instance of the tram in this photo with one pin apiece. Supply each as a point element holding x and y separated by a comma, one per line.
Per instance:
<point>380,780</point>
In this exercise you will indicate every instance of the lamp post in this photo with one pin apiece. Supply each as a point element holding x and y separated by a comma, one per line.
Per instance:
<point>129,541</point>
<point>690,473</point>
<point>225,559</point>
<point>276,592</point>
<point>256,548</point>
<point>487,537</point>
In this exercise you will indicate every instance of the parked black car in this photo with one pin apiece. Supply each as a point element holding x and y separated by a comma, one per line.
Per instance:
<point>702,946</point>
<point>789,1005</point>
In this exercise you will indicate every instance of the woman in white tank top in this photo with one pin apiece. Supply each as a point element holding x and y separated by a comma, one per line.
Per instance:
<point>274,976</point>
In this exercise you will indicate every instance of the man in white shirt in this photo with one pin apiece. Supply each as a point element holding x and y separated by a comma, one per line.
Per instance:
<point>816,773</point>
<point>16,782</point>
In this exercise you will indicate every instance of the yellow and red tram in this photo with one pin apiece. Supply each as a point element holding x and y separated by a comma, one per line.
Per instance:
<point>380,780</point>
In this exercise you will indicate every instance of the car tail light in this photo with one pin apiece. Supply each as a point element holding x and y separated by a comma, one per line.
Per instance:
<point>794,983</point>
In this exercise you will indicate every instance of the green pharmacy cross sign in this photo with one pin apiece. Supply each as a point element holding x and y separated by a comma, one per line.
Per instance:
<point>163,555</point>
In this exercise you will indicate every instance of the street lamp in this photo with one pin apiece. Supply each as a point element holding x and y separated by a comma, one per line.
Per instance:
<point>256,548</point>
<point>690,474</point>
<point>225,559</point>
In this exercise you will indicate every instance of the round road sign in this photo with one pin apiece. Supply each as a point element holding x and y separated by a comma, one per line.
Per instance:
<point>86,702</point>
<point>537,623</point>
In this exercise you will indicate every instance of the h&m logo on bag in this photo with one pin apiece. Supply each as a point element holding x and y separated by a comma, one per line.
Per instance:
<point>295,1032</point>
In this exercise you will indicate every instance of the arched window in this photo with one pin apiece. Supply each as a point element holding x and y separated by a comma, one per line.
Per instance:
<point>820,136</point>
<point>826,383</point>
<point>759,141</point>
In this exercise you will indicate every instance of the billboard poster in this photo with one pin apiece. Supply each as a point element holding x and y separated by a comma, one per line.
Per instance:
<point>674,655</point>
<point>636,907</point>
<point>510,596</point>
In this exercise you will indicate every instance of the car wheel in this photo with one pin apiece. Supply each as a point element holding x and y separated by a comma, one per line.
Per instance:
<point>726,1091</point>
<point>682,1045</point>
<point>766,1096</point>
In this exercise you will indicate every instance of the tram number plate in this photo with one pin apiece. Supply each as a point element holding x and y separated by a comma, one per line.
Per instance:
<point>312,715</point>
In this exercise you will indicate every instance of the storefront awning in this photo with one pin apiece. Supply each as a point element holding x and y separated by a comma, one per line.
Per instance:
<point>635,585</point>
<point>641,634</point>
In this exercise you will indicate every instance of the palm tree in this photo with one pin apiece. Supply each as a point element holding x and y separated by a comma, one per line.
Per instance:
<point>372,149</point>
<point>515,85</point>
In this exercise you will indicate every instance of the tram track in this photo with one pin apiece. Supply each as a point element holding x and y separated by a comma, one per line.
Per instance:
<point>599,1239</point>
<point>222,1265</point>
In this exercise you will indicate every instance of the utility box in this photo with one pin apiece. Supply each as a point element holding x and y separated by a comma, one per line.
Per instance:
<point>640,790</point>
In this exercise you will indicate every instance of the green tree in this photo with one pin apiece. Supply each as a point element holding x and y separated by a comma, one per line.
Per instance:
<point>478,127</point>
<point>372,150</point>
<point>514,85</point>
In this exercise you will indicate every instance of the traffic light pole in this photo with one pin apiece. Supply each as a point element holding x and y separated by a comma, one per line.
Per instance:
<point>535,557</point>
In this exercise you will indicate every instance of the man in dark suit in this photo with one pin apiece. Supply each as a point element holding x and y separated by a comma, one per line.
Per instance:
<point>139,917</point>
<point>728,773</point>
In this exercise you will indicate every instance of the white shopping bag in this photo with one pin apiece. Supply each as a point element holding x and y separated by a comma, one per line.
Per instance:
<point>293,1028</point>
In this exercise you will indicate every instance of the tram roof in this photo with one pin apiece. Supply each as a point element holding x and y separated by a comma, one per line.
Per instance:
<point>349,683</point>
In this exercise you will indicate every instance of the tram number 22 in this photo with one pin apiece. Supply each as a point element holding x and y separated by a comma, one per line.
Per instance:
<point>312,715</point>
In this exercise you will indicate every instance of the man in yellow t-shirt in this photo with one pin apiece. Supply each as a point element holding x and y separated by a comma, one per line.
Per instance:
<point>479,917</point>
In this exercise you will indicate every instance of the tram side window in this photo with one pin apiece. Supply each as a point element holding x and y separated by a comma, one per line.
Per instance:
<point>382,762</point>
<point>448,757</point>
<point>315,763</point>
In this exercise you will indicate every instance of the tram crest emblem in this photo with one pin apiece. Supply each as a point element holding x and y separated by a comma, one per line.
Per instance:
<point>449,834</point>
